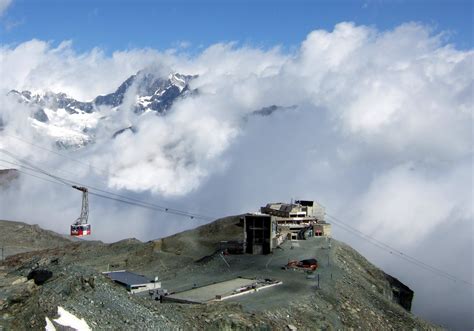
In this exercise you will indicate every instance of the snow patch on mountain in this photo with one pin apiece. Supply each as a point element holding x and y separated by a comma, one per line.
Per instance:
<point>180,81</point>
<point>71,321</point>
<point>72,123</point>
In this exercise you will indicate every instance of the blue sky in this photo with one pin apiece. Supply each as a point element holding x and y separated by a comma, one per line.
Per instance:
<point>118,25</point>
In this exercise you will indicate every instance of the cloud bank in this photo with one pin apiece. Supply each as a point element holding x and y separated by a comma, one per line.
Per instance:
<point>392,109</point>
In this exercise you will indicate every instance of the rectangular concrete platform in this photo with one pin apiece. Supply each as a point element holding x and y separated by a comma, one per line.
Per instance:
<point>221,291</point>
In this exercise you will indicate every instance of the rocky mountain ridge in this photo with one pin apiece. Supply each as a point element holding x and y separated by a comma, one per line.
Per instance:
<point>73,124</point>
<point>7,177</point>
<point>348,293</point>
<point>153,93</point>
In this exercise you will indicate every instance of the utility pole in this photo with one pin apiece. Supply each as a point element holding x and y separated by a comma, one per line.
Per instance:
<point>223,258</point>
<point>2,253</point>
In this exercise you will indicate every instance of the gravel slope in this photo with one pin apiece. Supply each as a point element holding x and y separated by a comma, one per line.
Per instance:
<point>352,293</point>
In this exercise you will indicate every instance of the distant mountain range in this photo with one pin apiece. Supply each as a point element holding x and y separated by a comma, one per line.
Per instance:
<point>73,123</point>
<point>151,93</point>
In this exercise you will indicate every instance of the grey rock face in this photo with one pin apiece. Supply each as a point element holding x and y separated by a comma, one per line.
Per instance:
<point>41,116</point>
<point>53,101</point>
<point>116,98</point>
<point>119,132</point>
<point>352,293</point>
<point>143,92</point>
<point>152,93</point>
<point>7,177</point>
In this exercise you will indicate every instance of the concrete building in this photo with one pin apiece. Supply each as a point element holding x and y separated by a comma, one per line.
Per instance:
<point>300,208</point>
<point>279,221</point>
<point>312,208</point>
<point>134,283</point>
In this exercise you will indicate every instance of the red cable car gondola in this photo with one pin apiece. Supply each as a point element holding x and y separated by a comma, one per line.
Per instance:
<point>79,230</point>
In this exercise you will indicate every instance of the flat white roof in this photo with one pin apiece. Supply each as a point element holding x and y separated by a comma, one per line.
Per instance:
<point>209,292</point>
<point>127,278</point>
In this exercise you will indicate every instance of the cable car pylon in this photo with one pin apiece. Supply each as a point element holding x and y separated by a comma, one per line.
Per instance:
<point>81,227</point>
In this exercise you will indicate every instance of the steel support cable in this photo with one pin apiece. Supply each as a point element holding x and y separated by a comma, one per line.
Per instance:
<point>392,249</point>
<point>36,176</point>
<point>396,252</point>
<point>336,221</point>
<point>35,168</point>
<point>124,199</point>
<point>61,183</point>
<point>97,194</point>
<point>163,208</point>
<point>86,164</point>
<point>17,164</point>
<point>403,256</point>
<point>135,204</point>
<point>456,280</point>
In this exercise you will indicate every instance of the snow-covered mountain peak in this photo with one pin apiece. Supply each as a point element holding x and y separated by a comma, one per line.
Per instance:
<point>52,100</point>
<point>73,123</point>
<point>180,81</point>
<point>153,92</point>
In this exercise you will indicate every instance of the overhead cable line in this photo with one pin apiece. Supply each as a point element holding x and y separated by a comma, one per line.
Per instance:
<point>32,175</point>
<point>97,194</point>
<point>166,209</point>
<point>86,164</point>
<point>106,194</point>
<point>136,202</point>
<point>35,168</point>
<point>396,252</point>
<point>386,246</point>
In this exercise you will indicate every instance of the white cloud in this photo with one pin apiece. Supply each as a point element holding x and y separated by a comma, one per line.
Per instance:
<point>405,199</point>
<point>38,65</point>
<point>371,101</point>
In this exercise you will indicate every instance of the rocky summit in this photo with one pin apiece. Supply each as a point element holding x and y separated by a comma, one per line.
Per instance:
<point>151,92</point>
<point>73,124</point>
<point>50,276</point>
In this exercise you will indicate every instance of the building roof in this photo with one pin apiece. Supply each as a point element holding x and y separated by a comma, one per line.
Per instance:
<point>281,206</point>
<point>127,278</point>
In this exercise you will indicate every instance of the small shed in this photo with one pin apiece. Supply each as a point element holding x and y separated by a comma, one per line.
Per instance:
<point>322,229</point>
<point>134,283</point>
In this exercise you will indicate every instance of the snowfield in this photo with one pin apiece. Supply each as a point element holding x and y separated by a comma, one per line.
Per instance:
<point>69,320</point>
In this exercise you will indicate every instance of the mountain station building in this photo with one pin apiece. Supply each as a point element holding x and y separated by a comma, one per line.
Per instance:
<point>277,222</point>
